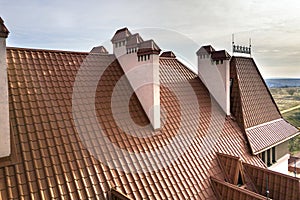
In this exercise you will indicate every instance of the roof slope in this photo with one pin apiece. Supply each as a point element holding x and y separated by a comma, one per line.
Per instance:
<point>254,107</point>
<point>56,161</point>
<point>257,104</point>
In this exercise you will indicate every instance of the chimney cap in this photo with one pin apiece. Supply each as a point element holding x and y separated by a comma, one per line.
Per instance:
<point>148,47</point>
<point>208,49</point>
<point>220,55</point>
<point>134,40</point>
<point>168,54</point>
<point>3,30</point>
<point>121,34</point>
<point>99,50</point>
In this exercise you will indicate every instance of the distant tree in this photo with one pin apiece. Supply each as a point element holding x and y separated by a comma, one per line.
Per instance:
<point>291,91</point>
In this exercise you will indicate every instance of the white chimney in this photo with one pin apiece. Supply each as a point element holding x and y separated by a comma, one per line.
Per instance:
<point>214,71</point>
<point>140,62</point>
<point>5,148</point>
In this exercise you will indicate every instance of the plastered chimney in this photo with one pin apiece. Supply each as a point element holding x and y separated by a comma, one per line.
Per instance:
<point>140,62</point>
<point>5,147</point>
<point>214,71</point>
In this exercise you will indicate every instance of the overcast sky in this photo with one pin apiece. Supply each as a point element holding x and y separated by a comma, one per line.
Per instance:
<point>273,25</point>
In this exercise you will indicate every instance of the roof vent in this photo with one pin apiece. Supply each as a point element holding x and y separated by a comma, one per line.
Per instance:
<point>168,54</point>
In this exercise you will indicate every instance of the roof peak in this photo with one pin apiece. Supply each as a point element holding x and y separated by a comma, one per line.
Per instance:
<point>99,50</point>
<point>168,54</point>
<point>121,34</point>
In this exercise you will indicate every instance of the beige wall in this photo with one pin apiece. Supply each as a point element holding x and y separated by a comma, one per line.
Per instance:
<point>4,109</point>
<point>282,149</point>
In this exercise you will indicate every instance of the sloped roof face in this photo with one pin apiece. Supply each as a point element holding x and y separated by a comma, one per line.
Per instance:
<point>60,152</point>
<point>256,102</point>
<point>280,186</point>
<point>256,181</point>
<point>254,108</point>
<point>226,190</point>
<point>269,134</point>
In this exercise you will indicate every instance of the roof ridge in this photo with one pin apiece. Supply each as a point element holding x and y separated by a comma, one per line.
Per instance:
<point>46,50</point>
<point>263,124</point>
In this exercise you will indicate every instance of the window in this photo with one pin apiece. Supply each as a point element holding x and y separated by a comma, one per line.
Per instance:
<point>269,163</point>
<point>273,155</point>
<point>263,157</point>
<point>240,180</point>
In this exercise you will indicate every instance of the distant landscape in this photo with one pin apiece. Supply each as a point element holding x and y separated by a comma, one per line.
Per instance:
<point>283,82</point>
<point>286,93</point>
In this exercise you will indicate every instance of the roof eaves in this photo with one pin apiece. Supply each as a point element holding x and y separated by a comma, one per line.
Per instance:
<point>273,145</point>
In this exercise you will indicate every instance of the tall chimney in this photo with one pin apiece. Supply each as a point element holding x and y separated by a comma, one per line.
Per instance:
<point>140,62</point>
<point>214,71</point>
<point>5,148</point>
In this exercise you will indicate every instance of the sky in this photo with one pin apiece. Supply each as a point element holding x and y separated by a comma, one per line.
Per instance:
<point>183,26</point>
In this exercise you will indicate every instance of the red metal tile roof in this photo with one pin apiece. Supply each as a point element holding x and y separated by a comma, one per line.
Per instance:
<point>230,166</point>
<point>269,134</point>
<point>226,190</point>
<point>280,186</point>
<point>54,160</point>
<point>254,108</point>
<point>257,103</point>
<point>256,181</point>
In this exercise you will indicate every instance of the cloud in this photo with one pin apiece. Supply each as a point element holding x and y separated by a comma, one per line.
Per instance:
<point>79,25</point>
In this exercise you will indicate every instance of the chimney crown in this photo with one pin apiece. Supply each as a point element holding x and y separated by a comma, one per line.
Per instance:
<point>148,47</point>
<point>121,34</point>
<point>3,30</point>
<point>134,40</point>
<point>168,54</point>
<point>220,55</point>
<point>208,49</point>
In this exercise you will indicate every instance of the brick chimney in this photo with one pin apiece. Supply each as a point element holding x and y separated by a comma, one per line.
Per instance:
<point>5,148</point>
<point>214,71</point>
<point>140,62</point>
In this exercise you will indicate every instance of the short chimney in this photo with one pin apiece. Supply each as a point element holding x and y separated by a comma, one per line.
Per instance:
<point>214,71</point>
<point>5,143</point>
<point>140,62</point>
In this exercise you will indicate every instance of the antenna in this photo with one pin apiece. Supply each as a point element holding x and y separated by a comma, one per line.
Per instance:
<point>240,48</point>
<point>295,169</point>
<point>233,47</point>
<point>250,46</point>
